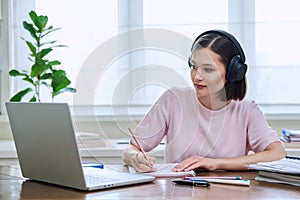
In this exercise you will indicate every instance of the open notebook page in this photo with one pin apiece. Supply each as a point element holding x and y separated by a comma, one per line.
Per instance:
<point>165,170</point>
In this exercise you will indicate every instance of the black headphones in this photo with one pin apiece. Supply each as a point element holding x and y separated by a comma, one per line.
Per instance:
<point>236,68</point>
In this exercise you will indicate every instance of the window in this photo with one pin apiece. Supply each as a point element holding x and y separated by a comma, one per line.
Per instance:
<point>277,44</point>
<point>87,25</point>
<point>129,51</point>
<point>4,43</point>
<point>180,17</point>
<point>1,53</point>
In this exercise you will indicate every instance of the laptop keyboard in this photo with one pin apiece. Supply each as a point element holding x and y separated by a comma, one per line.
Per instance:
<point>99,179</point>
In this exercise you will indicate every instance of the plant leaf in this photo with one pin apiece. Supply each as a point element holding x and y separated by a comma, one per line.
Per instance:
<point>28,79</point>
<point>30,28</point>
<point>38,68</point>
<point>39,21</point>
<point>72,90</point>
<point>46,76</point>
<point>55,62</point>
<point>49,42</point>
<point>49,31</point>
<point>45,84</point>
<point>31,47</point>
<point>59,80</point>
<point>33,99</point>
<point>18,97</point>
<point>43,20</point>
<point>33,16</point>
<point>14,72</point>
<point>60,45</point>
<point>49,28</point>
<point>44,52</point>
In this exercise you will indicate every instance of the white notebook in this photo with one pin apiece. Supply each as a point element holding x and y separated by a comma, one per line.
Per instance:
<point>165,170</point>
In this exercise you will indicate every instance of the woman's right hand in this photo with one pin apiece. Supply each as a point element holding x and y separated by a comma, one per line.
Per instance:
<point>141,164</point>
<point>136,159</point>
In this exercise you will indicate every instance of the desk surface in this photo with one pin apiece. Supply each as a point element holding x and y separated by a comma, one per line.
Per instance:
<point>13,186</point>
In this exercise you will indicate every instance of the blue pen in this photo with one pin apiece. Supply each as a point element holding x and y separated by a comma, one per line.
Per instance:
<point>92,164</point>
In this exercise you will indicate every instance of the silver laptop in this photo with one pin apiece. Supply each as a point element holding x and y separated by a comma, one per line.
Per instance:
<point>47,150</point>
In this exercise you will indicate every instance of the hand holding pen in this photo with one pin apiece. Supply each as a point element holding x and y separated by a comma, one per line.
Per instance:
<point>141,162</point>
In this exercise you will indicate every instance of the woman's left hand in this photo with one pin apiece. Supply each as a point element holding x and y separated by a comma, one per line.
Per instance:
<point>195,162</point>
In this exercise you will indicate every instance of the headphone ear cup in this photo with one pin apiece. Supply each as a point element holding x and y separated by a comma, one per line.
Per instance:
<point>236,70</point>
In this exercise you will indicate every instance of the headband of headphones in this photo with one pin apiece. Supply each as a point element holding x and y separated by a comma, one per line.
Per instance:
<point>236,69</point>
<point>229,37</point>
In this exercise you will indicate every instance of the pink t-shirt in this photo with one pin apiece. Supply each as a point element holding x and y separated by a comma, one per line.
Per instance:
<point>191,129</point>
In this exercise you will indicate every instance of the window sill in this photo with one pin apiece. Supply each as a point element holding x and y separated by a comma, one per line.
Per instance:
<point>103,113</point>
<point>281,112</point>
<point>136,112</point>
<point>110,150</point>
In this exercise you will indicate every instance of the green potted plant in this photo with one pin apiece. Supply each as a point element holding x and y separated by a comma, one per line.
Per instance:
<point>43,71</point>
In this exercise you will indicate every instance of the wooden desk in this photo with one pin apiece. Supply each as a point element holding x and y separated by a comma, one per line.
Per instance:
<point>13,186</point>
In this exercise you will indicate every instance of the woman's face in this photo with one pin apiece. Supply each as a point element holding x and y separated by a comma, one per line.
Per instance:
<point>208,73</point>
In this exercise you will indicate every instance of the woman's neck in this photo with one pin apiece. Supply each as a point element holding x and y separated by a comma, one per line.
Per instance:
<point>213,103</point>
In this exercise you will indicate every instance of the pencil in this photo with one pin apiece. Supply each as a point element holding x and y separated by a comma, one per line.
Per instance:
<point>140,146</point>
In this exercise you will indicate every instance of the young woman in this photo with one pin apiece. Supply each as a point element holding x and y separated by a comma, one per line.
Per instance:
<point>209,126</point>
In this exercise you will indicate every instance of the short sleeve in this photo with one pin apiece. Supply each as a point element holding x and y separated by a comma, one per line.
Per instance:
<point>260,134</point>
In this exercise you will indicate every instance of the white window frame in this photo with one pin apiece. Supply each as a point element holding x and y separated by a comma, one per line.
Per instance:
<point>6,42</point>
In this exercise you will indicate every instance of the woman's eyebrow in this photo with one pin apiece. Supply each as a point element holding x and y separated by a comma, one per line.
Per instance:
<point>206,64</point>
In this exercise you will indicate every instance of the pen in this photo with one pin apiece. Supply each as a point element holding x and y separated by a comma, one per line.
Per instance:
<point>224,181</point>
<point>140,146</point>
<point>214,177</point>
<point>192,183</point>
<point>95,165</point>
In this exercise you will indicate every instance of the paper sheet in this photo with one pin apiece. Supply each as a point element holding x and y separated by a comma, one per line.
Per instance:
<point>289,166</point>
<point>165,170</point>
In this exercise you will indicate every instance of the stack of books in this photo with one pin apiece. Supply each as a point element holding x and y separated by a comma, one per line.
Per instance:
<point>285,171</point>
<point>289,135</point>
